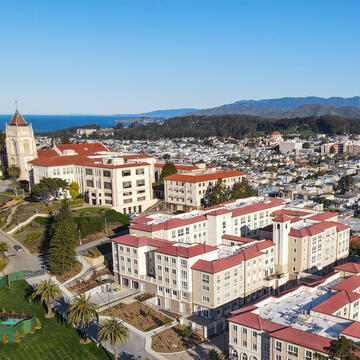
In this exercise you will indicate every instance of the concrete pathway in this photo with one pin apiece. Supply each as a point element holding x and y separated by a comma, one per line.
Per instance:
<point>201,352</point>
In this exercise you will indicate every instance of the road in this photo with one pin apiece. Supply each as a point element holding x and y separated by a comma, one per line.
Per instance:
<point>18,261</point>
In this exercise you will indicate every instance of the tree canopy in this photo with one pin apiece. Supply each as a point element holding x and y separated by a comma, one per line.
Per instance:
<point>217,194</point>
<point>74,189</point>
<point>63,239</point>
<point>13,171</point>
<point>346,183</point>
<point>242,189</point>
<point>168,169</point>
<point>48,186</point>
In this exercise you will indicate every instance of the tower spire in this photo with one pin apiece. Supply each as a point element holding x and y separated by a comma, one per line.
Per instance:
<point>16,106</point>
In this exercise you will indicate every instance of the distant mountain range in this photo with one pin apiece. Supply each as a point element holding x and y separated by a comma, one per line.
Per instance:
<point>289,107</point>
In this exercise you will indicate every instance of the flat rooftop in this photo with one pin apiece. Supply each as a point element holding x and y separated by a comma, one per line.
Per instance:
<point>294,310</point>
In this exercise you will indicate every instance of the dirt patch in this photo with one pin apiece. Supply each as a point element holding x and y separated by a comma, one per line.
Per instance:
<point>138,315</point>
<point>71,273</point>
<point>84,286</point>
<point>177,338</point>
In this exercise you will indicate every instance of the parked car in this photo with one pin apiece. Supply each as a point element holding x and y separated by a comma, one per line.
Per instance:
<point>18,248</point>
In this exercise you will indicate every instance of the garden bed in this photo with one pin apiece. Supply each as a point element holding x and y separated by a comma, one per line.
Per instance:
<point>138,315</point>
<point>70,273</point>
<point>174,339</point>
<point>84,286</point>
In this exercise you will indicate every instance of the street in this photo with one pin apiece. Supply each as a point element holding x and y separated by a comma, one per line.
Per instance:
<point>18,261</point>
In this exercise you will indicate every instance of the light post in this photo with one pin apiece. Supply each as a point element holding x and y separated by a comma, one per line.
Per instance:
<point>79,237</point>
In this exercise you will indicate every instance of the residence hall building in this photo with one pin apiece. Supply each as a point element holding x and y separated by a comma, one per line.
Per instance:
<point>231,270</point>
<point>185,191</point>
<point>123,182</point>
<point>299,323</point>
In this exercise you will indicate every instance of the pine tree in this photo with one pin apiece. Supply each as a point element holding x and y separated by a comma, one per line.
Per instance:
<point>218,194</point>
<point>63,240</point>
<point>32,328</point>
<point>241,190</point>
<point>168,169</point>
<point>5,338</point>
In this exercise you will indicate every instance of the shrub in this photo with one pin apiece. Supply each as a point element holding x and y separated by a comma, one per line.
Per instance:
<point>5,339</point>
<point>17,336</point>
<point>23,333</point>
<point>167,321</point>
<point>38,324</point>
<point>213,355</point>
<point>114,216</point>
<point>32,328</point>
<point>3,310</point>
<point>187,332</point>
<point>31,237</point>
<point>149,313</point>
<point>41,220</point>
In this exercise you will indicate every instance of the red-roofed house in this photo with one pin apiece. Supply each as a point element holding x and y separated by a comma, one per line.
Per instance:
<point>186,190</point>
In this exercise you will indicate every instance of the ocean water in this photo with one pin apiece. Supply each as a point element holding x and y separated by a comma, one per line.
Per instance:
<point>44,123</point>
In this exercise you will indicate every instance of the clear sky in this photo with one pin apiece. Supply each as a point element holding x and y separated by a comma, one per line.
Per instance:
<point>111,57</point>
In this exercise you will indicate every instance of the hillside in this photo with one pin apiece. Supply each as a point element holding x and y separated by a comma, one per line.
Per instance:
<point>289,107</point>
<point>238,126</point>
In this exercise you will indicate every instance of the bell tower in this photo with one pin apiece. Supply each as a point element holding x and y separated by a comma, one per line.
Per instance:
<point>281,229</point>
<point>20,144</point>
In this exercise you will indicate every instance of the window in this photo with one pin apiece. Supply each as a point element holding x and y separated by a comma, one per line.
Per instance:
<point>205,278</point>
<point>88,172</point>
<point>205,287</point>
<point>126,173</point>
<point>244,331</point>
<point>227,275</point>
<point>126,184</point>
<point>278,357</point>
<point>140,182</point>
<point>292,350</point>
<point>205,299</point>
<point>140,171</point>
<point>183,262</point>
<point>308,355</point>
<point>278,346</point>
<point>106,173</point>
<point>107,185</point>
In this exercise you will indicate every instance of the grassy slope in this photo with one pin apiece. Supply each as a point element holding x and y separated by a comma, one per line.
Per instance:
<point>52,342</point>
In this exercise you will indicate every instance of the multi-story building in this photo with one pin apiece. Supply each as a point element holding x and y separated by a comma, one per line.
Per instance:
<point>186,191</point>
<point>229,268</point>
<point>123,182</point>
<point>297,324</point>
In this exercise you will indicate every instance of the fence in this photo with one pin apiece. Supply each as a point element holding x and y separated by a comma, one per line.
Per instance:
<point>20,275</point>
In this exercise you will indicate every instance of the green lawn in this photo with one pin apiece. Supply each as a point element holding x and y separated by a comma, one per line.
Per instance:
<point>54,341</point>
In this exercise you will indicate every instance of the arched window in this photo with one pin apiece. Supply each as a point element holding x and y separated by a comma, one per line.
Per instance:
<point>235,354</point>
<point>278,226</point>
<point>253,358</point>
<point>26,148</point>
<point>244,357</point>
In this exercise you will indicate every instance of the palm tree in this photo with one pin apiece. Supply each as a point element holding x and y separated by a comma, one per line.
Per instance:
<point>48,291</point>
<point>3,247</point>
<point>113,331</point>
<point>81,312</point>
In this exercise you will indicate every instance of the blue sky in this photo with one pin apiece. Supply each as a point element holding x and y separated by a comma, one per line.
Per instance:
<point>108,57</point>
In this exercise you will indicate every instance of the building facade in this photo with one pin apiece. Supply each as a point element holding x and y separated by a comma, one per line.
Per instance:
<point>20,144</point>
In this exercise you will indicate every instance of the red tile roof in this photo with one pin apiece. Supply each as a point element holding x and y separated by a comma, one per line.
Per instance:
<point>83,149</point>
<point>281,218</point>
<point>349,267</point>
<point>336,302</point>
<point>169,224</point>
<point>350,284</point>
<point>219,212</point>
<point>139,241</point>
<point>238,238</point>
<point>324,216</point>
<point>186,251</point>
<point>81,161</point>
<point>217,265</point>
<point>136,156</point>
<point>255,321</point>
<point>272,202</point>
<point>46,153</point>
<point>352,330</point>
<point>312,229</point>
<point>17,119</point>
<point>205,177</point>
<point>289,212</point>
<point>302,338</point>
